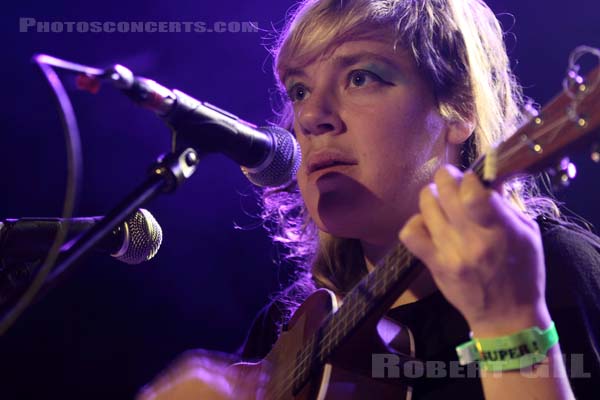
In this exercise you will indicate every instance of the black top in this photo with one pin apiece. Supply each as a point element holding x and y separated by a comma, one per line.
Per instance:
<point>572,294</point>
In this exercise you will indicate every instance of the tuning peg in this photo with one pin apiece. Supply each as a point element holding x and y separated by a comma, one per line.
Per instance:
<point>575,82</point>
<point>532,113</point>
<point>562,174</point>
<point>531,109</point>
<point>596,152</point>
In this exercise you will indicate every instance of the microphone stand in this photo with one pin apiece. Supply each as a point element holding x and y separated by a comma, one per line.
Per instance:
<point>170,171</point>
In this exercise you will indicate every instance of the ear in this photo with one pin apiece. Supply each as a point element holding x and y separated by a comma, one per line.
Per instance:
<point>459,130</point>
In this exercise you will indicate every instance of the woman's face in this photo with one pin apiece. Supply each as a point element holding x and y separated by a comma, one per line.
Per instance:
<point>371,138</point>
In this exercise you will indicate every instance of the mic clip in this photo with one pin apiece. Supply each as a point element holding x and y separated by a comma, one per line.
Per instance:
<point>176,167</point>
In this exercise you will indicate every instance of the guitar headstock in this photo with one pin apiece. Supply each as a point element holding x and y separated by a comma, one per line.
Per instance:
<point>569,122</point>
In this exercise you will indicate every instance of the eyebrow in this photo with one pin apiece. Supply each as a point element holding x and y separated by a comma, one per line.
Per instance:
<point>343,62</point>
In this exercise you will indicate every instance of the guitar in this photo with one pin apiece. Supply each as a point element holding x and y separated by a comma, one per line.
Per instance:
<point>326,350</point>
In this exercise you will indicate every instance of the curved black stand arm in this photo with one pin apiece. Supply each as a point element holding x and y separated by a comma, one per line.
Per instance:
<point>170,171</point>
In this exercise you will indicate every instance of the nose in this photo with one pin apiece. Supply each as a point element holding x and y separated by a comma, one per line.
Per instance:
<point>319,114</point>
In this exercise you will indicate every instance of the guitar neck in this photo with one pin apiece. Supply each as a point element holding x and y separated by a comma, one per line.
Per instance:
<point>371,298</point>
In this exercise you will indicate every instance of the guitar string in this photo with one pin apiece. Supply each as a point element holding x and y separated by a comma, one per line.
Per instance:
<point>334,330</point>
<point>301,367</point>
<point>353,311</point>
<point>479,164</point>
<point>358,305</point>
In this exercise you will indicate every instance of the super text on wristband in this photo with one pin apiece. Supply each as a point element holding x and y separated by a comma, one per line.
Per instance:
<point>506,353</point>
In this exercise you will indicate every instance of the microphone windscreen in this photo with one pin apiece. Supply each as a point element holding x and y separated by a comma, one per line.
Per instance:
<point>142,239</point>
<point>283,163</point>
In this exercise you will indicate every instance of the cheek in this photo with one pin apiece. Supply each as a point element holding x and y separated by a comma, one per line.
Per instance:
<point>402,152</point>
<point>412,134</point>
<point>388,147</point>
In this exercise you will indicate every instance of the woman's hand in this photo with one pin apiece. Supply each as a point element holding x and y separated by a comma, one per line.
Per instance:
<point>200,374</point>
<point>484,255</point>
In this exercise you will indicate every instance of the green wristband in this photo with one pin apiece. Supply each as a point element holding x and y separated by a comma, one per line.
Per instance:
<point>506,353</point>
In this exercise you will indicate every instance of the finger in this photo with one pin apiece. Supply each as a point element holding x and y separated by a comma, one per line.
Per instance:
<point>434,217</point>
<point>516,209</point>
<point>447,180</point>
<point>417,239</point>
<point>481,205</point>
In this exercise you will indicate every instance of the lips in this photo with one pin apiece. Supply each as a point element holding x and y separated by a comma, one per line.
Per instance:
<point>327,158</point>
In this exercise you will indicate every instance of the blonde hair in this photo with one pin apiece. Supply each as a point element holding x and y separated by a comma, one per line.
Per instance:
<point>459,46</point>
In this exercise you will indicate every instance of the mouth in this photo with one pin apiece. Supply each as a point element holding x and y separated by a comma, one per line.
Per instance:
<point>325,159</point>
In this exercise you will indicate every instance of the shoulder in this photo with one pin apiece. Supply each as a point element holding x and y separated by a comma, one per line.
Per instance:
<point>572,259</point>
<point>568,240</point>
<point>573,297</point>
<point>264,331</point>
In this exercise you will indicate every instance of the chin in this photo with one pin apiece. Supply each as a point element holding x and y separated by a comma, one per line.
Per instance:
<point>344,221</point>
<point>340,228</point>
<point>343,207</point>
<point>372,223</point>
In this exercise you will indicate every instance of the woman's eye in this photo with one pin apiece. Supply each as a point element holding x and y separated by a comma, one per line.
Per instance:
<point>360,78</point>
<point>298,92</point>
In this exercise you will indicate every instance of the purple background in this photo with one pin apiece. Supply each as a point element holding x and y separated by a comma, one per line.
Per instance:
<point>111,327</point>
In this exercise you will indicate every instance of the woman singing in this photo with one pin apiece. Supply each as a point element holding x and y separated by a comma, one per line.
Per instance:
<point>391,101</point>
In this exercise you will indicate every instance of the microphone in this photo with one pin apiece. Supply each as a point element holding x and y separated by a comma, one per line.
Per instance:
<point>270,156</point>
<point>29,239</point>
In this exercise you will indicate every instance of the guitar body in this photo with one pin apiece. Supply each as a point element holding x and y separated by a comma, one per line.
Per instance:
<point>346,376</point>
